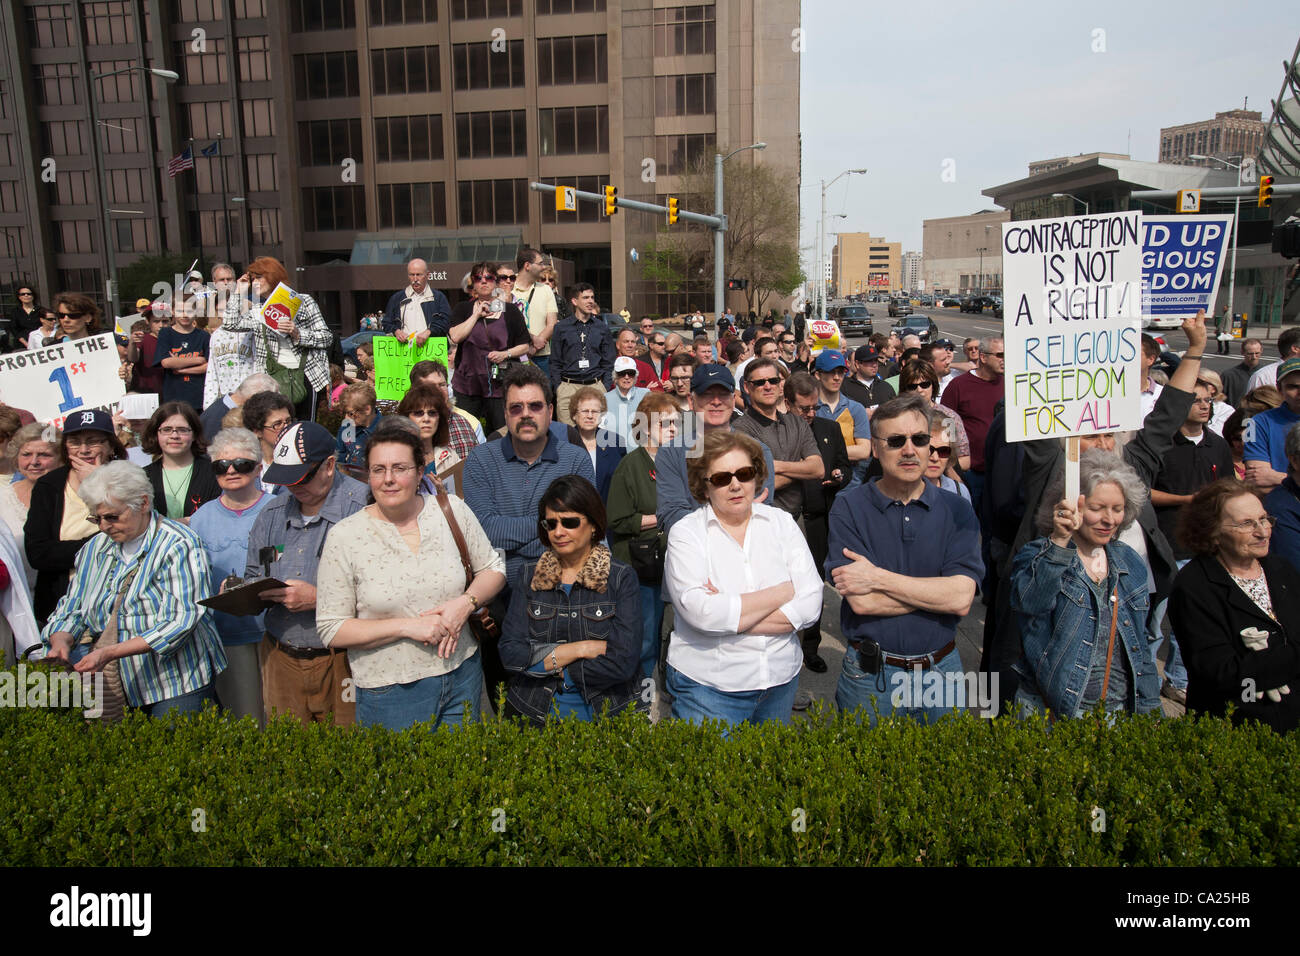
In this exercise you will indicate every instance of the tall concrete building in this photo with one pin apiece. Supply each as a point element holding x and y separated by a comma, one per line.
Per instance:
<point>862,262</point>
<point>912,273</point>
<point>351,135</point>
<point>1231,133</point>
<point>963,254</point>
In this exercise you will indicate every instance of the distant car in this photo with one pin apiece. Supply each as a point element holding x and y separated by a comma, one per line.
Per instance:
<point>899,307</point>
<point>927,301</point>
<point>1161,322</point>
<point>853,319</point>
<point>951,302</point>
<point>921,326</point>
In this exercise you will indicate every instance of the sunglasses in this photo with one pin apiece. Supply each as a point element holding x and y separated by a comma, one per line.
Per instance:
<point>243,466</point>
<point>998,354</point>
<point>485,277</point>
<point>720,479</point>
<point>71,315</point>
<point>24,295</point>
<point>424,413</point>
<point>917,386</point>
<point>919,440</point>
<point>943,451</point>
<point>508,278</point>
<point>571,522</point>
<point>99,519</point>
<point>758,382</point>
<point>515,409</point>
<point>626,371</point>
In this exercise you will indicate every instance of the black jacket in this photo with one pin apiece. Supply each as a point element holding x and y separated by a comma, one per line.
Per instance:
<point>202,489</point>
<point>1209,612</point>
<point>437,313</point>
<point>1185,469</point>
<point>53,559</point>
<point>818,498</point>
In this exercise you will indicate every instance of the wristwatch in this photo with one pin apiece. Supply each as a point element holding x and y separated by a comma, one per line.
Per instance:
<point>472,600</point>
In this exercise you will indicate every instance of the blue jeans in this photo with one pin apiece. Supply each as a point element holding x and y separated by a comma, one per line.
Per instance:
<point>543,362</point>
<point>923,696</point>
<point>652,622</point>
<point>698,702</point>
<point>191,703</point>
<point>1175,671</point>
<point>975,485</point>
<point>451,698</point>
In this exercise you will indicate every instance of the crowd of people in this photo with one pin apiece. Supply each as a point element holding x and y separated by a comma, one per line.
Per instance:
<point>521,520</point>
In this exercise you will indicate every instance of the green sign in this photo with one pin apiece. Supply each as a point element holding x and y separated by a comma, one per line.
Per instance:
<point>394,361</point>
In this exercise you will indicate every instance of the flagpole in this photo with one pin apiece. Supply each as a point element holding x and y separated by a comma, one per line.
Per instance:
<point>225,206</point>
<point>197,210</point>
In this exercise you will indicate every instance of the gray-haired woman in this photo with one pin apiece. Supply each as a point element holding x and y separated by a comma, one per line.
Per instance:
<point>134,599</point>
<point>223,524</point>
<point>1081,596</point>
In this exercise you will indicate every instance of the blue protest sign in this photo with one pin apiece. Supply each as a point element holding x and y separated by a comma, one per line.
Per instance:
<point>1182,261</point>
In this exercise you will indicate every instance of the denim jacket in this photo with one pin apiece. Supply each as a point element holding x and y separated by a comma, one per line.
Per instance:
<point>603,604</point>
<point>1056,604</point>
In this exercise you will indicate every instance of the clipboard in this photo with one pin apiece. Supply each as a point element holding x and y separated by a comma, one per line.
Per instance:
<point>243,600</point>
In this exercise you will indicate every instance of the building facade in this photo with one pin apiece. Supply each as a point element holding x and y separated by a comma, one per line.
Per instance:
<point>1231,133</point>
<point>345,136</point>
<point>961,255</point>
<point>863,263</point>
<point>1040,166</point>
<point>912,272</point>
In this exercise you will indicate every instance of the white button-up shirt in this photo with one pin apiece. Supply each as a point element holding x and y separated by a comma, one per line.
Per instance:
<point>705,646</point>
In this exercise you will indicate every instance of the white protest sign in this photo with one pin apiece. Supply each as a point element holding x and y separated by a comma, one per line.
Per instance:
<point>55,381</point>
<point>1072,325</point>
<point>138,407</point>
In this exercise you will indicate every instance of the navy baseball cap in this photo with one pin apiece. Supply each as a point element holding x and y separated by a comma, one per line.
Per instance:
<point>866,353</point>
<point>302,447</point>
<point>708,376</point>
<point>946,343</point>
<point>829,360</point>
<point>89,420</point>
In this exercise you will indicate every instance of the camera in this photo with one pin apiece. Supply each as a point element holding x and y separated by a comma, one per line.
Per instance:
<point>869,657</point>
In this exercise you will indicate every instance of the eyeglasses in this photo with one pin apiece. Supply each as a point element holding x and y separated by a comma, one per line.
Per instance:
<point>1264,525</point>
<point>679,378</point>
<point>995,354</point>
<point>398,471</point>
<point>278,426</point>
<point>86,441</point>
<point>515,409</point>
<point>104,519</point>
<point>508,278</point>
<point>485,277</point>
<point>571,522</point>
<point>424,413</point>
<point>179,431</point>
<point>243,466</point>
<point>720,479</point>
<point>759,382</point>
<point>916,386</point>
<point>1202,401</point>
<point>943,451</point>
<point>919,440</point>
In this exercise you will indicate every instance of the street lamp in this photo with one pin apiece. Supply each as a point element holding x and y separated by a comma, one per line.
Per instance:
<point>1086,207</point>
<point>821,238</point>
<point>980,285</point>
<point>92,82</point>
<point>718,266</point>
<point>1236,212</point>
<point>840,272</point>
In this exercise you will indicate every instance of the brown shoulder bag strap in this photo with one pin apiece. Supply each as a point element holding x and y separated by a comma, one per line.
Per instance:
<point>1110,648</point>
<point>463,548</point>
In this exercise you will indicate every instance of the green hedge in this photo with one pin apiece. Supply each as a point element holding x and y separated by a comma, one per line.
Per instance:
<point>968,791</point>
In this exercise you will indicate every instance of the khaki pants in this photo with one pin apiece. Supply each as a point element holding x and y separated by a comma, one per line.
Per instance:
<point>308,689</point>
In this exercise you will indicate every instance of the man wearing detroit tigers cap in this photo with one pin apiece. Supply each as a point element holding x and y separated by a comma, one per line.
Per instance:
<point>300,675</point>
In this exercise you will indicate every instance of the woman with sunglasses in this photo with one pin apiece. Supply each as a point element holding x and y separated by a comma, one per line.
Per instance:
<point>181,473</point>
<point>920,376</point>
<point>26,317</point>
<point>391,590</point>
<point>572,635</point>
<point>223,524</point>
<point>490,332</point>
<point>58,521</point>
<point>426,406</point>
<point>743,585</point>
<point>267,415</point>
<point>943,445</point>
<point>78,316</point>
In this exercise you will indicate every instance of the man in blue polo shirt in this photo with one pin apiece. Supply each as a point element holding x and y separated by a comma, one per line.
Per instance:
<point>504,480</point>
<point>905,557</point>
<point>829,369</point>
<point>1265,454</point>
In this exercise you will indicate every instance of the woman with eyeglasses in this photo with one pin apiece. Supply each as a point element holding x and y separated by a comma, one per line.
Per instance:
<point>587,408</point>
<point>572,635</point>
<point>223,525</point>
<point>920,376</point>
<point>1236,610</point>
<point>181,473</point>
<point>58,521</point>
<point>743,585</point>
<point>267,415</point>
<point>490,332</point>
<point>137,586</point>
<point>391,590</point>
<point>943,445</point>
<point>426,406</point>
<point>26,317</point>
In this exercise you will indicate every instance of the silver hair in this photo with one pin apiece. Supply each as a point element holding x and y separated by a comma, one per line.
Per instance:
<point>221,265</point>
<point>236,439</point>
<point>395,423</point>
<point>257,382</point>
<point>1292,447</point>
<point>121,482</point>
<point>986,344</point>
<point>1096,467</point>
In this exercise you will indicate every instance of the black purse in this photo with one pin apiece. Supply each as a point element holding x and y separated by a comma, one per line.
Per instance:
<point>646,556</point>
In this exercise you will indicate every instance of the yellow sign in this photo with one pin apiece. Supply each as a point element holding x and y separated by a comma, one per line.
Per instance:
<point>1189,200</point>
<point>283,303</point>
<point>566,199</point>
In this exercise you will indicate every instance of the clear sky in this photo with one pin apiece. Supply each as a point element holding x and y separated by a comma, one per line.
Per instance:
<point>908,89</point>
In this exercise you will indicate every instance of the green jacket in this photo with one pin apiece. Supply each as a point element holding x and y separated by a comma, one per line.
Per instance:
<point>632,493</point>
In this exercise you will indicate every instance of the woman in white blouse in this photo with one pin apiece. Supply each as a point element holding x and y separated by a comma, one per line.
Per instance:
<point>391,589</point>
<point>33,455</point>
<point>743,584</point>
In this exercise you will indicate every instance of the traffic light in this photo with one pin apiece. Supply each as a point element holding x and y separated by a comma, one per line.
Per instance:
<point>672,210</point>
<point>1265,191</point>
<point>737,285</point>
<point>611,200</point>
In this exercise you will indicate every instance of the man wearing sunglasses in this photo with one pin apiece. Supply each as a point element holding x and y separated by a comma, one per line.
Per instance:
<point>301,676</point>
<point>794,452</point>
<point>419,310</point>
<point>713,402</point>
<point>582,350</point>
<point>896,623</point>
<point>974,396</point>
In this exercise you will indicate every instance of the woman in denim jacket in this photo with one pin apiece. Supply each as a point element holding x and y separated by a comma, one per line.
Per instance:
<point>1071,587</point>
<point>572,635</point>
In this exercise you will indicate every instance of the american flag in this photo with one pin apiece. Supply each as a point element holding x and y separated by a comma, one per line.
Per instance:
<point>181,162</point>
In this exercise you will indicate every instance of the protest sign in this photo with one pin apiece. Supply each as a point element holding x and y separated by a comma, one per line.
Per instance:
<point>1072,338</point>
<point>55,381</point>
<point>394,361</point>
<point>825,335</point>
<point>283,303</point>
<point>1182,261</point>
